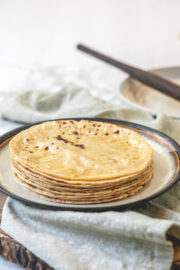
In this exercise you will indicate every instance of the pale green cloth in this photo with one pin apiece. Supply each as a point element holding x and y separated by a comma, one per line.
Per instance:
<point>68,240</point>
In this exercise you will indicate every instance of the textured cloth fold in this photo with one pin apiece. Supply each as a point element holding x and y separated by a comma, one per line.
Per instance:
<point>109,240</point>
<point>69,240</point>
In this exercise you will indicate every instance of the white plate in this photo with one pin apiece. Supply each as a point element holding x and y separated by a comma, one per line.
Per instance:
<point>143,97</point>
<point>166,172</point>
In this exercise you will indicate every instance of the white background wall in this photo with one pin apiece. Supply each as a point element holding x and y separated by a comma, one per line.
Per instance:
<point>45,32</point>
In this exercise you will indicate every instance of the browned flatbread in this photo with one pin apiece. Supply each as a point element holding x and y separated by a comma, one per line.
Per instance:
<point>81,162</point>
<point>84,198</point>
<point>74,191</point>
<point>76,183</point>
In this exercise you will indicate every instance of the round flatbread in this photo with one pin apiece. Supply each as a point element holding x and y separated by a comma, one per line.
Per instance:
<point>81,162</point>
<point>81,150</point>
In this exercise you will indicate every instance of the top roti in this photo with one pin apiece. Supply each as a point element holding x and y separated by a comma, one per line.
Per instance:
<point>81,150</point>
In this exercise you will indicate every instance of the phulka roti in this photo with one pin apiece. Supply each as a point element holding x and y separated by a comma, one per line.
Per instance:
<point>78,185</point>
<point>81,162</point>
<point>84,198</point>
<point>81,150</point>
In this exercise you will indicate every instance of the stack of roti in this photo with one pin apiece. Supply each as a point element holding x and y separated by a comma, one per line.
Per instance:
<point>81,162</point>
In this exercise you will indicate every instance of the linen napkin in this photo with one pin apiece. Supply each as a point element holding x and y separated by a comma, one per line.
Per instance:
<point>68,240</point>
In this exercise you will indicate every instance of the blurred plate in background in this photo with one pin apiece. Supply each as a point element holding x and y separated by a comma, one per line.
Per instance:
<point>140,96</point>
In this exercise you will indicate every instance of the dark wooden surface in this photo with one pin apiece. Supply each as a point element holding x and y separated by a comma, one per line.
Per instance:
<point>15,252</point>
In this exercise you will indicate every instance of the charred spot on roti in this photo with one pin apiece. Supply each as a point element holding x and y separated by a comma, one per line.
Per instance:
<point>80,145</point>
<point>59,138</point>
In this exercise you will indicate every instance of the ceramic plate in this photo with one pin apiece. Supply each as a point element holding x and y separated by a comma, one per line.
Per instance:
<point>142,97</point>
<point>166,172</point>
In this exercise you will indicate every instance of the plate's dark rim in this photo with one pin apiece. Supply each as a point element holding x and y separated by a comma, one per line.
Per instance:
<point>91,208</point>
